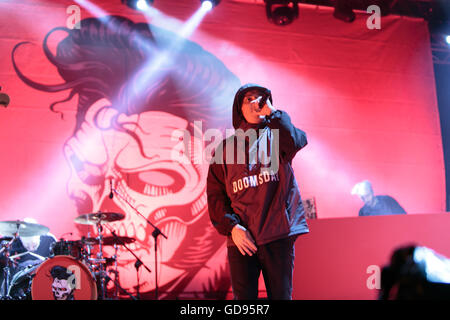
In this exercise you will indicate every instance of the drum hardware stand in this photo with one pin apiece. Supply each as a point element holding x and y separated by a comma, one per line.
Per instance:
<point>7,268</point>
<point>137,261</point>
<point>87,253</point>
<point>116,278</point>
<point>6,271</point>
<point>102,274</point>
<point>116,272</point>
<point>156,232</point>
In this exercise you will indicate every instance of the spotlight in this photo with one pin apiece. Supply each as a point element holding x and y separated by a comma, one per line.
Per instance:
<point>447,39</point>
<point>4,99</point>
<point>281,12</point>
<point>343,11</point>
<point>209,4</point>
<point>140,5</point>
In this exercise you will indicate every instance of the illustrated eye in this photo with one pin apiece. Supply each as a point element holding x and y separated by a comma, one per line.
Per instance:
<point>156,182</point>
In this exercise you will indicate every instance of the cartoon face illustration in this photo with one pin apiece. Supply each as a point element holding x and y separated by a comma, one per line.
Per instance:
<point>169,193</point>
<point>124,138</point>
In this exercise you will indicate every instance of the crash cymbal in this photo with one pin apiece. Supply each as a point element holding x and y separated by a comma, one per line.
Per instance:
<point>110,241</point>
<point>24,229</point>
<point>100,217</point>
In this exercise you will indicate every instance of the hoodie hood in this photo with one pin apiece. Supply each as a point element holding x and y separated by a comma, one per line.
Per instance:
<point>238,117</point>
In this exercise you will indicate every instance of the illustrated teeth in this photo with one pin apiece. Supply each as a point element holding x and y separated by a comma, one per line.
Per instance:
<point>198,205</point>
<point>155,191</point>
<point>141,234</point>
<point>122,230</point>
<point>131,231</point>
<point>161,213</point>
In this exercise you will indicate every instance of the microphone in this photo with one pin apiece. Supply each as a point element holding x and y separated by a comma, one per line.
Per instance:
<point>262,101</point>
<point>111,194</point>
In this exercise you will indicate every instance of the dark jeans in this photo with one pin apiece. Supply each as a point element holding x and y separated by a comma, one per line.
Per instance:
<point>274,259</point>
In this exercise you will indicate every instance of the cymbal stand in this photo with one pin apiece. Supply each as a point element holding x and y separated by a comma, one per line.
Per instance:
<point>7,268</point>
<point>116,272</point>
<point>156,232</point>
<point>100,258</point>
<point>87,252</point>
<point>138,261</point>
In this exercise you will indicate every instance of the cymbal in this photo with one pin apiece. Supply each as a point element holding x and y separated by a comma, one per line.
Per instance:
<point>110,241</point>
<point>100,217</point>
<point>25,229</point>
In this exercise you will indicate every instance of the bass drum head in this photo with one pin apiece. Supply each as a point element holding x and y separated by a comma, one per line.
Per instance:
<point>63,278</point>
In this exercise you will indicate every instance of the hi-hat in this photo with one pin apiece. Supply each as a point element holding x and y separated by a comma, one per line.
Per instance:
<point>100,217</point>
<point>24,229</point>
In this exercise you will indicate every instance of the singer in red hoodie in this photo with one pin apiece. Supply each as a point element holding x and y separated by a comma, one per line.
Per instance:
<point>253,196</point>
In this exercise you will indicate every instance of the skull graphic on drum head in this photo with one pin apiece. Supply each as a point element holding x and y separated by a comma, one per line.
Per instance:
<point>63,283</point>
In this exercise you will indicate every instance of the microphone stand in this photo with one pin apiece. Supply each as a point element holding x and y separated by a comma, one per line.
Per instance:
<point>137,265</point>
<point>118,286</point>
<point>156,232</point>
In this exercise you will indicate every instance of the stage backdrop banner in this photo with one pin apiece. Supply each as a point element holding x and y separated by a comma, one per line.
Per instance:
<point>113,101</point>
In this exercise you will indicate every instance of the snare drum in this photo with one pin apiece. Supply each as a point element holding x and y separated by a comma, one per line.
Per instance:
<point>67,248</point>
<point>63,278</point>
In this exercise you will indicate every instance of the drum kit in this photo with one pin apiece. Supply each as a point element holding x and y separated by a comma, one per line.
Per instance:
<point>74,270</point>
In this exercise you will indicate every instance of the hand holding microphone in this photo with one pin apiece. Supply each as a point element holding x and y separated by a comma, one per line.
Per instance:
<point>265,107</point>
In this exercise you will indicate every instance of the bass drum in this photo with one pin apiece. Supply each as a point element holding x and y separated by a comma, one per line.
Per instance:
<point>63,278</point>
